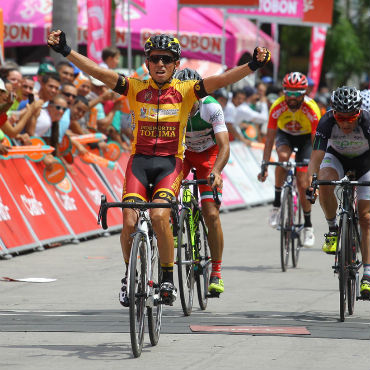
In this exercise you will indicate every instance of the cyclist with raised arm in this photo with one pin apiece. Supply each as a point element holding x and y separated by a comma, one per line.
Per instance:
<point>342,143</point>
<point>207,150</point>
<point>160,108</point>
<point>293,118</point>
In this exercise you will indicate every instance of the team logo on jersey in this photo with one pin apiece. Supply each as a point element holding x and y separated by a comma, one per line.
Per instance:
<point>197,87</point>
<point>148,95</point>
<point>143,112</point>
<point>293,126</point>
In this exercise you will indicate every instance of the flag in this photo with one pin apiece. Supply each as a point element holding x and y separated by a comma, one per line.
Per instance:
<point>98,30</point>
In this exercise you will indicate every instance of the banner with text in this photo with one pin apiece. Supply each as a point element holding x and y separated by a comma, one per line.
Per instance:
<point>318,37</point>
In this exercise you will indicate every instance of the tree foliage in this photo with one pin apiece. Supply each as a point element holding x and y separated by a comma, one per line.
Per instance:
<point>347,49</point>
<point>344,54</point>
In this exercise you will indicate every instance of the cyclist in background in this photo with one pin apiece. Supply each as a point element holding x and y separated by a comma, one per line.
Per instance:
<point>342,143</point>
<point>207,150</point>
<point>160,109</point>
<point>293,118</point>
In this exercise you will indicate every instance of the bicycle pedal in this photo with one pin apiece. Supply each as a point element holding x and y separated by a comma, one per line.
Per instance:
<point>213,295</point>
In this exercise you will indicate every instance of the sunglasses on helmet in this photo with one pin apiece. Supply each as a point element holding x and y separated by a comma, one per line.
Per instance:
<point>341,118</point>
<point>296,93</point>
<point>166,59</point>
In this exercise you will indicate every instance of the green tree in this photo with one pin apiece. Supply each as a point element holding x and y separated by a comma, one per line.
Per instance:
<point>344,54</point>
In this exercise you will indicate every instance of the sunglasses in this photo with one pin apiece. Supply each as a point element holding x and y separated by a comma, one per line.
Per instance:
<point>68,95</point>
<point>296,94</point>
<point>340,118</point>
<point>58,107</point>
<point>166,59</point>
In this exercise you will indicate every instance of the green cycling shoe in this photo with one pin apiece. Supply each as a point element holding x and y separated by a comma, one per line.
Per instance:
<point>331,242</point>
<point>216,285</point>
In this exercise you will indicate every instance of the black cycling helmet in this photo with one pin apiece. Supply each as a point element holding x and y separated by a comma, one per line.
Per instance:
<point>187,74</point>
<point>163,42</point>
<point>346,99</point>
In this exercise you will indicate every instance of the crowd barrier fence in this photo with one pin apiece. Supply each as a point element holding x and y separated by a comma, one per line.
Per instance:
<point>35,214</point>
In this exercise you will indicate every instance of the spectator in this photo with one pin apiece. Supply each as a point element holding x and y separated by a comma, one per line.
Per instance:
<point>44,68</point>
<point>222,96</point>
<point>311,85</point>
<point>69,90</point>
<point>27,87</point>
<point>110,56</point>
<point>66,72</point>
<point>248,119</point>
<point>6,101</point>
<point>230,116</point>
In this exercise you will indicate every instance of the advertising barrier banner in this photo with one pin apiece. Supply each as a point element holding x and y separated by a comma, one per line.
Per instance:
<point>71,204</point>
<point>92,187</point>
<point>14,230</point>
<point>33,201</point>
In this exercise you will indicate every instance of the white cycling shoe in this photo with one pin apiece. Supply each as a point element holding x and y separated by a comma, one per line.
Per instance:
<point>308,237</point>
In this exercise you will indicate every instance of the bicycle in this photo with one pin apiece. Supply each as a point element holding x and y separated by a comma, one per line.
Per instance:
<point>193,253</point>
<point>291,214</point>
<point>144,274</point>
<point>347,256</point>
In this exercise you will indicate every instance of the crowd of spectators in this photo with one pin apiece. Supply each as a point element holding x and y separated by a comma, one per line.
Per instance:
<point>60,100</point>
<point>246,109</point>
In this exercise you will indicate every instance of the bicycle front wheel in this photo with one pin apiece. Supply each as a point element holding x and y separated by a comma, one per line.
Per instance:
<point>352,260</point>
<point>298,222</point>
<point>345,243</point>
<point>286,224</point>
<point>203,265</point>
<point>185,263</point>
<point>154,312</point>
<point>137,293</point>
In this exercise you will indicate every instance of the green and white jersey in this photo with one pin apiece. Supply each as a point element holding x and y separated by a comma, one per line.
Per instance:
<point>202,127</point>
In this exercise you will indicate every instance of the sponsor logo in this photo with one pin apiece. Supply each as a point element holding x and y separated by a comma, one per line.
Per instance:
<point>293,126</point>
<point>67,202</point>
<point>33,206</point>
<point>160,131</point>
<point>4,211</point>
<point>277,113</point>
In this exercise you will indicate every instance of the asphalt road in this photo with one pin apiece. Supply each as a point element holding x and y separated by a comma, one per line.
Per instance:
<point>265,319</point>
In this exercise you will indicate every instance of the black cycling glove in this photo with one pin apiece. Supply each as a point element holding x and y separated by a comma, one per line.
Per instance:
<point>254,64</point>
<point>62,47</point>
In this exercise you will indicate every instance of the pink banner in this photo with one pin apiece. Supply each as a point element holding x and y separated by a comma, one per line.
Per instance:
<point>28,23</point>
<point>140,4</point>
<point>98,30</point>
<point>318,37</point>
<point>292,9</point>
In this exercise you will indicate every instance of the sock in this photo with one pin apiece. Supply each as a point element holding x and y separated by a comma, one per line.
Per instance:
<point>126,264</point>
<point>167,272</point>
<point>277,201</point>
<point>333,227</point>
<point>307,219</point>
<point>366,271</point>
<point>216,268</point>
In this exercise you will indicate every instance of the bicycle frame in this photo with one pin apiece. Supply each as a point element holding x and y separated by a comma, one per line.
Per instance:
<point>143,227</point>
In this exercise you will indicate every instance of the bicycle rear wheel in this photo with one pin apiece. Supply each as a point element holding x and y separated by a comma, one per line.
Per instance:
<point>185,263</point>
<point>203,265</point>
<point>137,294</point>
<point>155,312</point>
<point>298,222</point>
<point>342,261</point>
<point>286,224</point>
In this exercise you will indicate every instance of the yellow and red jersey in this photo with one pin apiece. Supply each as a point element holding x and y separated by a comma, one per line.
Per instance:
<point>302,122</point>
<point>159,116</point>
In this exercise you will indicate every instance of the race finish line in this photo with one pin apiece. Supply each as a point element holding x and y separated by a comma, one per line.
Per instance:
<point>292,330</point>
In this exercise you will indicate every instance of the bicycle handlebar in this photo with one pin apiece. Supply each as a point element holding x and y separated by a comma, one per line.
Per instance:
<point>345,181</point>
<point>285,164</point>
<point>104,206</point>
<point>204,182</point>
